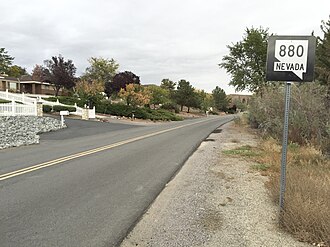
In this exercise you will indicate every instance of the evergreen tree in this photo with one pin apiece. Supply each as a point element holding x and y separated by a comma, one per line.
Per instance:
<point>220,99</point>
<point>5,61</point>
<point>184,95</point>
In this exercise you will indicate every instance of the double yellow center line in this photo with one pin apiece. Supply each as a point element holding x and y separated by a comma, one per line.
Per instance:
<point>84,153</point>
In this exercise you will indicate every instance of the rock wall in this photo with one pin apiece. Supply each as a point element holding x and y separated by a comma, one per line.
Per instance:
<point>23,130</point>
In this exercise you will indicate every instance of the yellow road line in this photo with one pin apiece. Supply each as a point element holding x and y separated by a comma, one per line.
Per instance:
<point>84,153</point>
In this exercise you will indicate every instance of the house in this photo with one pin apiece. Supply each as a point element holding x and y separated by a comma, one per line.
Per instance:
<point>244,99</point>
<point>9,83</point>
<point>25,84</point>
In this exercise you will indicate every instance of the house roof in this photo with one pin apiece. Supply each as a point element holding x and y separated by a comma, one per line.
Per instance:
<point>26,78</point>
<point>8,78</point>
<point>35,82</point>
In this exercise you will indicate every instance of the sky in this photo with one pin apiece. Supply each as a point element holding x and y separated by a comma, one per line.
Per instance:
<point>155,39</point>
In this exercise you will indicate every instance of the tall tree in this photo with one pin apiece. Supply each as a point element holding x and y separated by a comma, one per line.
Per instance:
<point>101,69</point>
<point>168,85</point>
<point>220,99</point>
<point>158,95</point>
<point>206,100</point>
<point>39,73</point>
<point>90,91</point>
<point>322,68</point>
<point>5,61</point>
<point>195,101</point>
<point>60,73</point>
<point>16,71</point>
<point>246,61</point>
<point>184,94</point>
<point>120,81</point>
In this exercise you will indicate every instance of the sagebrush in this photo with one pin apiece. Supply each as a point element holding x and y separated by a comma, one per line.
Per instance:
<point>309,119</point>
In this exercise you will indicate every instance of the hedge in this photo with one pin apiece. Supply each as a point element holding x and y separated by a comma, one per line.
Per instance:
<point>46,108</point>
<point>66,100</point>
<point>3,101</point>
<point>142,113</point>
<point>58,108</point>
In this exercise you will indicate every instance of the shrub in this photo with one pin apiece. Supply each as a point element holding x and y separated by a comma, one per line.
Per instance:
<point>58,108</point>
<point>46,108</point>
<point>213,113</point>
<point>114,109</point>
<point>308,120</point>
<point>67,100</point>
<point>51,99</point>
<point>171,106</point>
<point>142,113</point>
<point>120,110</point>
<point>3,101</point>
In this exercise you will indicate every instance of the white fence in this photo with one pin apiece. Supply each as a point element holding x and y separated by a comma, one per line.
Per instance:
<point>14,109</point>
<point>78,112</point>
<point>29,105</point>
<point>17,97</point>
<point>91,113</point>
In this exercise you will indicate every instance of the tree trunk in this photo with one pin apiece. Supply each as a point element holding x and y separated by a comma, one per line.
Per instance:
<point>57,89</point>
<point>181,107</point>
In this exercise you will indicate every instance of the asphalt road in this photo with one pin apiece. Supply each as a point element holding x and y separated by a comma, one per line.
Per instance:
<point>91,182</point>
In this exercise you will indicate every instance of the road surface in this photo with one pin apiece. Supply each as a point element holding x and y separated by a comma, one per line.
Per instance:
<point>89,184</point>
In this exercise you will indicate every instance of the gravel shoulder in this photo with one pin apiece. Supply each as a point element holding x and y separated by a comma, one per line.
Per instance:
<point>215,200</point>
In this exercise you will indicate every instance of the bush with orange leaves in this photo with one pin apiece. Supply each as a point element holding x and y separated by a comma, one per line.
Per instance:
<point>135,95</point>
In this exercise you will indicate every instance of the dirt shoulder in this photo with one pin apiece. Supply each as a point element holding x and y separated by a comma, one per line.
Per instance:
<point>215,200</point>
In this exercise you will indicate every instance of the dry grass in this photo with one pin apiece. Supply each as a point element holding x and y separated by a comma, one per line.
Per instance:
<point>307,196</point>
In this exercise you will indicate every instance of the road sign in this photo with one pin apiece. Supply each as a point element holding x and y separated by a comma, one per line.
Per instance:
<point>291,58</point>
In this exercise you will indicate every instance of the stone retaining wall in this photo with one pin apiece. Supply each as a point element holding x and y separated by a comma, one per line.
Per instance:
<point>23,130</point>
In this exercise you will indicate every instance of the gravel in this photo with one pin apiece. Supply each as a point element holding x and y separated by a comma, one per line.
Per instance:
<point>23,130</point>
<point>215,200</point>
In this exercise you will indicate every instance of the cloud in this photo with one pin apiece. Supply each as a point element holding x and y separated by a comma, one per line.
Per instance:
<point>155,39</point>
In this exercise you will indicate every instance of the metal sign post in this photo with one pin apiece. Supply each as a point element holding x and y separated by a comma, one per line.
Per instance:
<point>285,144</point>
<point>290,59</point>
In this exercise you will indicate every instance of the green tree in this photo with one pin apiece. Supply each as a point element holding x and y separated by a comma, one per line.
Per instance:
<point>168,85</point>
<point>158,95</point>
<point>60,73</point>
<point>184,95</point>
<point>16,71</point>
<point>101,69</point>
<point>5,61</point>
<point>220,99</point>
<point>90,91</point>
<point>194,101</point>
<point>322,68</point>
<point>246,62</point>
<point>206,100</point>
